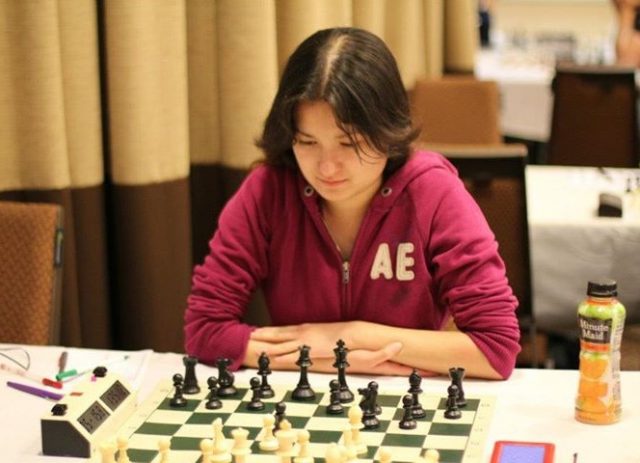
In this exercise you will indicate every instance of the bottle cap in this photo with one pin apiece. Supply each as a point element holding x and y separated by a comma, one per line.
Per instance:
<point>602,288</point>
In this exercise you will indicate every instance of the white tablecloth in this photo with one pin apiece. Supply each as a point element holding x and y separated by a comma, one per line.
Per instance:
<point>570,244</point>
<point>526,100</point>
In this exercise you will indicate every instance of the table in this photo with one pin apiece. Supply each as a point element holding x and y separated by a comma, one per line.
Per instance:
<point>532,405</point>
<point>526,99</point>
<point>569,244</point>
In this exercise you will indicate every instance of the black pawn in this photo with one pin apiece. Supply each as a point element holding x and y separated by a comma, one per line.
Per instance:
<point>178,400</point>
<point>303,390</point>
<point>190,385</point>
<point>452,412</point>
<point>213,403</point>
<point>407,421</point>
<point>341,364</point>
<point>415,390</point>
<point>266,392</point>
<point>225,378</point>
<point>280,413</point>
<point>335,406</point>
<point>457,375</point>
<point>256,403</point>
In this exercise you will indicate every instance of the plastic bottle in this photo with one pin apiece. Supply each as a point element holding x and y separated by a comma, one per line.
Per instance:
<point>601,321</point>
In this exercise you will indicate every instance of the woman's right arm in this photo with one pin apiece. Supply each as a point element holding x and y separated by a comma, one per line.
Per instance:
<point>224,283</point>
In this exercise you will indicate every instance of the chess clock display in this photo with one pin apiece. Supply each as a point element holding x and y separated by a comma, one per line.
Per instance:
<point>93,412</point>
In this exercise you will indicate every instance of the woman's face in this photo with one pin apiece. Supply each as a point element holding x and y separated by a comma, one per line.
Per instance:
<point>329,161</point>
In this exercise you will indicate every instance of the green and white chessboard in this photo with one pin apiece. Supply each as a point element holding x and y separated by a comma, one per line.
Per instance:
<point>458,441</point>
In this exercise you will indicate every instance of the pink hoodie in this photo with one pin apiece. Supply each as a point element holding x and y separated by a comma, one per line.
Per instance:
<point>423,251</point>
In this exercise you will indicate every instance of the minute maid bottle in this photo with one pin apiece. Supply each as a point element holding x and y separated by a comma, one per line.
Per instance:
<point>601,321</point>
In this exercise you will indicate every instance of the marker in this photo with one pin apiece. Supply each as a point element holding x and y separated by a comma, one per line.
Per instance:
<point>62,361</point>
<point>32,376</point>
<point>71,374</point>
<point>35,391</point>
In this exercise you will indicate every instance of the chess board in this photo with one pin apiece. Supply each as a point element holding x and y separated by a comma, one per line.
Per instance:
<point>458,441</point>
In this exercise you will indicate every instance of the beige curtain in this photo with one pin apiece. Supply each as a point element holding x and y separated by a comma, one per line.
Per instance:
<point>139,117</point>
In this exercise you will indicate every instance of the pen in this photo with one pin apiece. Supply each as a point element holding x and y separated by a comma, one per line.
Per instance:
<point>62,361</point>
<point>32,376</point>
<point>70,374</point>
<point>35,391</point>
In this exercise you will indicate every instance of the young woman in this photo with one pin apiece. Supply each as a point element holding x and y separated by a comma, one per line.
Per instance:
<point>353,235</point>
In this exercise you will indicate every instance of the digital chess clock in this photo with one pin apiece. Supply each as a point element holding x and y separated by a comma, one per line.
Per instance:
<point>77,424</point>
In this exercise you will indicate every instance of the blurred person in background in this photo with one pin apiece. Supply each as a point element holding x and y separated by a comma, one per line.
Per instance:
<point>628,38</point>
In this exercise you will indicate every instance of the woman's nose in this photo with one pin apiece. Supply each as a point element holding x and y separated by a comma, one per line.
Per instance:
<point>328,164</point>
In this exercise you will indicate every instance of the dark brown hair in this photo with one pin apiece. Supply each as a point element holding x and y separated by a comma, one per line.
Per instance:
<point>355,72</point>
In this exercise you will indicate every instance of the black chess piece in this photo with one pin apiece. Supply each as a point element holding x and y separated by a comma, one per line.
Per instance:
<point>368,405</point>
<point>255,403</point>
<point>266,392</point>
<point>335,406</point>
<point>407,421</point>
<point>280,413</point>
<point>341,364</point>
<point>452,412</point>
<point>457,375</point>
<point>303,390</point>
<point>415,390</point>
<point>225,378</point>
<point>213,403</point>
<point>190,385</point>
<point>178,400</point>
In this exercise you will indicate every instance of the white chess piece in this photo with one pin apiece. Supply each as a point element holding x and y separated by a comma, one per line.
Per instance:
<point>164,446</point>
<point>304,453</point>
<point>241,445</point>
<point>355,421</point>
<point>108,452</point>
<point>332,454</point>
<point>206,448</point>
<point>286,439</point>
<point>432,456</point>
<point>384,455</point>
<point>123,444</point>
<point>268,443</point>
<point>220,453</point>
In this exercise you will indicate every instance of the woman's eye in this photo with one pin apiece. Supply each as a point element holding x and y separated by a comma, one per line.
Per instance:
<point>306,142</point>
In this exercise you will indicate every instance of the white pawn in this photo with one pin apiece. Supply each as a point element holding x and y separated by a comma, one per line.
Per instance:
<point>164,445</point>
<point>333,454</point>
<point>241,445</point>
<point>206,448</point>
<point>384,455</point>
<point>108,452</point>
<point>123,444</point>
<point>355,420</point>
<point>432,456</point>
<point>286,439</point>
<point>304,454</point>
<point>268,443</point>
<point>349,450</point>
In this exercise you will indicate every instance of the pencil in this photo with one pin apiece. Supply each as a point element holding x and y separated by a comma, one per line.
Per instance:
<point>35,391</point>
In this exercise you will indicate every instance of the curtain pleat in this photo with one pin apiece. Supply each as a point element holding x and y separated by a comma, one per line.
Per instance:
<point>149,227</point>
<point>140,118</point>
<point>461,35</point>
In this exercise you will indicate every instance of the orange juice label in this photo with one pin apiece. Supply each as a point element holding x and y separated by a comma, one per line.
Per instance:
<point>595,330</point>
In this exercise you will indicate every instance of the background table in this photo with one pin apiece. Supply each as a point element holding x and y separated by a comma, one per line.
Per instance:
<point>570,244</point>
<point>534,405</point>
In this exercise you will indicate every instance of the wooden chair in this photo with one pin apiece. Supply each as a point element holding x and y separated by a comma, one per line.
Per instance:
<point>494,175</point>
<point>456,109</point>
<point>30,272</point>
<point>594,121</point>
